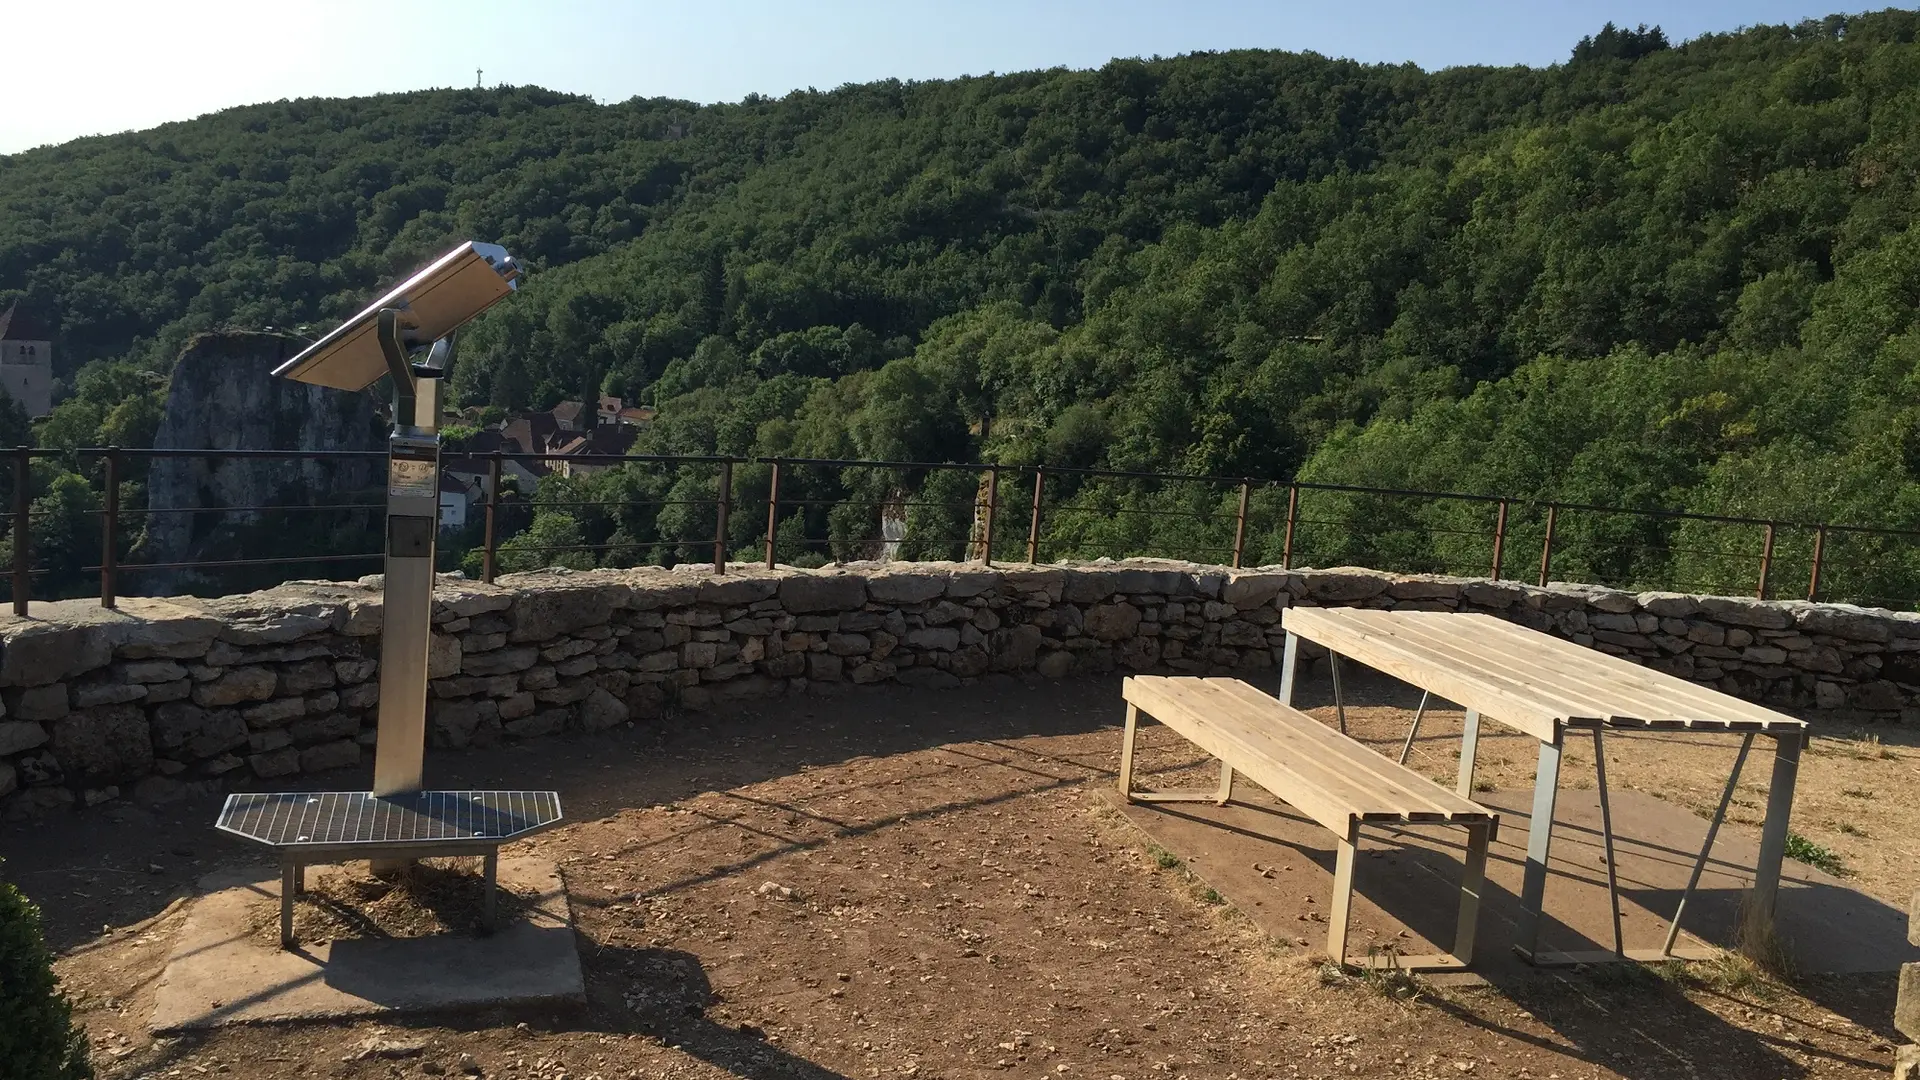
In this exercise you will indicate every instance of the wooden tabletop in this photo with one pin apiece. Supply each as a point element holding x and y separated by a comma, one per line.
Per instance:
<point>1530,681</point>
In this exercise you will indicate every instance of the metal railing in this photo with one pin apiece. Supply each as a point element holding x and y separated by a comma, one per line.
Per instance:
<point>1064,511</point>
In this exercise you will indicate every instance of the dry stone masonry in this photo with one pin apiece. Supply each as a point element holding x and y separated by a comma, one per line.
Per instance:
<point>163,696</point>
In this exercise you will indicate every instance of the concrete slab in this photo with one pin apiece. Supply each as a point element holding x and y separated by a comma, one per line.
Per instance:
<point>1276,866</point>
<point>220,973</point>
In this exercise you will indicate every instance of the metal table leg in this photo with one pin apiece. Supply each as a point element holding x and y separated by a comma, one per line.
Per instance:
<point>1773,838</point>
<point>1414,729</point>
<point>1339,699</point>
<point>1606,837</point>
<point>1289,661</point>
<point>1713,830</point>
<point>1533,882</point>
<point>1469,750</point>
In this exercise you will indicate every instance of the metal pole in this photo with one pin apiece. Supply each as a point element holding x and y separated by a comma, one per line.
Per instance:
<point>490,544</point>
<point>1033,527</point>
<point>1766,561</point>
<point>1499,539</point>
<point>22,527</point>
<point>1819,552</point>
<point>1546,546</point>
<point>110,527</point>
<point>1293,506</point>
<point>721,506</point>
<point>993,496</point>
<point>773,510</point>
<point>1240,524</point>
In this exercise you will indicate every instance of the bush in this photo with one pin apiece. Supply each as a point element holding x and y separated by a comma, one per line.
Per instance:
<point>37,1038</point>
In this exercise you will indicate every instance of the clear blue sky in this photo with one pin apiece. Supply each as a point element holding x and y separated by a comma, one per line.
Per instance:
<point>82,67</point>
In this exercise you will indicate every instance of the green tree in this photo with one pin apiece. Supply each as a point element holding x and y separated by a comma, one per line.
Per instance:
<point>38,1040</point>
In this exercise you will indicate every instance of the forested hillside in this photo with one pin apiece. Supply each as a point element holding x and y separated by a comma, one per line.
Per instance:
<point>1654,275</point>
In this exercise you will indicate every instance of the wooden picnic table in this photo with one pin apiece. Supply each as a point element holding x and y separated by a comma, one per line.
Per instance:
<point>1545,686</point>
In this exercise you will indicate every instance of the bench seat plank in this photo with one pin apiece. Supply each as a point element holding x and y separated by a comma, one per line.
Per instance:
<point>1295,757</point>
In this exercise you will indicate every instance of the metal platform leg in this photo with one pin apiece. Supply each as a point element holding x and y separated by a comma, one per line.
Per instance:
<point>1469,752</point>
<point>1473,879</point>
<point>289,884</point>
<point>1533,881</point>
<point>1773,837</point>
<point>1407,747</point>
<point>1289,661</point>
<point>491,871</point>
<point>1341,912</point>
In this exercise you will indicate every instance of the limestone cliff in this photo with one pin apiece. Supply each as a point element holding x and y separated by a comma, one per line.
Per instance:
<point>224,397</point>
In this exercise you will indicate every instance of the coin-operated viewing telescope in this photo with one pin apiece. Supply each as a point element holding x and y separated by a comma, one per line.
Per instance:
<point>407,335</point>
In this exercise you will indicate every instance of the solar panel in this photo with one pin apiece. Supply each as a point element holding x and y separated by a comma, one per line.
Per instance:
<point>316,818</point>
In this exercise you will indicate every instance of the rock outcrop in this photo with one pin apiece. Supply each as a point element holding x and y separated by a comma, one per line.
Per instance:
<point>223,396</point>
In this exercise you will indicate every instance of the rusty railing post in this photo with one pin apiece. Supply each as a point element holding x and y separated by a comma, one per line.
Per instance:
<point>721,506</point>
<point>1546,546</point>
<point>993,496</point>
<point>1499,539</point>
<point>773,512</point>
<point>1766,561</point>
<point>22,527</point>
<point>110,528</point>
<point>1293,507</point>
<point>1819,552</point>
<point>489,544</point>
<point>1240,523</point>
<point>1033,526</point>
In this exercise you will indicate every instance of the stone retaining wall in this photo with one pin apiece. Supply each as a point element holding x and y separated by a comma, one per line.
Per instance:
<point>162,694</point>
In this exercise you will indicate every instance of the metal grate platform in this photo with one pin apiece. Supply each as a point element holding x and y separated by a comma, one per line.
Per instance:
<point>359,820</point>
<point>320,826</point>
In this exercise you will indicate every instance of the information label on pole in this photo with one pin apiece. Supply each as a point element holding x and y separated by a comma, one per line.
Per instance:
<point>412,478</point>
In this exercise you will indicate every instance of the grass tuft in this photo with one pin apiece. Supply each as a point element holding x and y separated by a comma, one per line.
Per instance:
<point>1815,855</point>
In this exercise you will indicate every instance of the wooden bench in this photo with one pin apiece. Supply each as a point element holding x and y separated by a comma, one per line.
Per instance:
<point>1322,773</point>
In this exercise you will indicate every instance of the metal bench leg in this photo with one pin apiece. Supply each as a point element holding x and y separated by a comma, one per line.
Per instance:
<point>1469,752</point>
<point>1533,881</point>
<point>289,884</point>
<point>1339,699</point>
<point>1339,916</point>
<point>1126,752</point>
<point>1407,747</point>
<point>492,874</point>
<point>1472,881</point>
<point>1289,661</point>
<point>1221,793</point>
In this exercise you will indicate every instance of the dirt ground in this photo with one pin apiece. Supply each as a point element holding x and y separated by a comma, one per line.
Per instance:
<point>890,883</point>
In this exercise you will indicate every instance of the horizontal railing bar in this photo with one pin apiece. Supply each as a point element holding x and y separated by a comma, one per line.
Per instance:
<point>290,560</point>
<point>177,452</point>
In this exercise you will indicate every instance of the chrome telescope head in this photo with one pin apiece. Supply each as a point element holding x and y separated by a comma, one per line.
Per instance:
<point>426,307</point>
